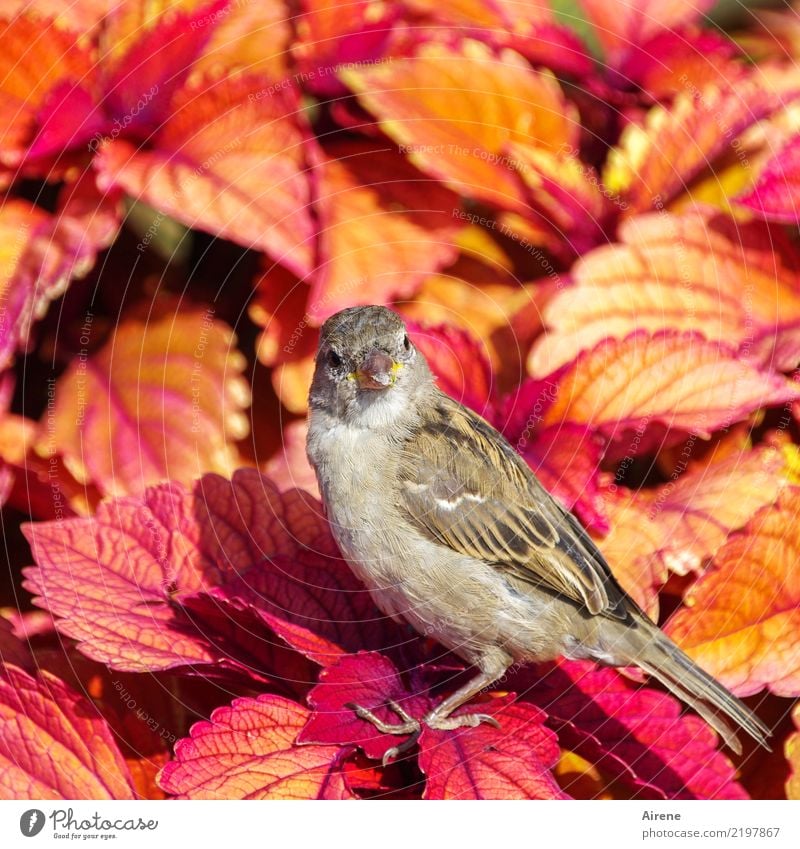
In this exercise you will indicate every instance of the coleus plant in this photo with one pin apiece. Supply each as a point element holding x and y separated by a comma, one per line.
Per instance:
<point>593,235</point>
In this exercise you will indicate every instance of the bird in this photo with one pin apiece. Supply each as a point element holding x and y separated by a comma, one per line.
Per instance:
<point>450,531</point>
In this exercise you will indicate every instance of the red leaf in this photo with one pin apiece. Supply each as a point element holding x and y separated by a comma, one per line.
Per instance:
<point>513,762</point>
<point>153,60</point>
<point>481,763</point>
<point>366,679</point>
<point>636,735</point>
<point>37,56</point>
<point>127,561</point>
<point>331,36</point>
<point>461,365</point>
<point>566,459</point>
<point>241,542</point>
<point>776,195</point>
<point>435,104</point>
<point>54,744</point>
<point>621,24</point>
<point>565,193</point>
<point>277,554</point>
<point>653,163</point>
<point>247,751</point>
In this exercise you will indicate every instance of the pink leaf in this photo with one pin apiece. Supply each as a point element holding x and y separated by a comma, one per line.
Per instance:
<point>776,195</point>
<point>512,762</point>
<point>54,744</point>
<point>247,751</point>
<point>366,679</point>
<point>635,734</point>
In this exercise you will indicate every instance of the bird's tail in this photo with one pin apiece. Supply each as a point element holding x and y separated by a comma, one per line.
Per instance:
<point>662,659</point>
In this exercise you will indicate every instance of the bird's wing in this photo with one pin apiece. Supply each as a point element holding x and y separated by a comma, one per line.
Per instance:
<point>463,484</point>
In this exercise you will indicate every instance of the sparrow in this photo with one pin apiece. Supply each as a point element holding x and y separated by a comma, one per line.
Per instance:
<point>450,530</point>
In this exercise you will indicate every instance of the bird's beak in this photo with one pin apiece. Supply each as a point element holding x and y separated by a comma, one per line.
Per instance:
<point>377,371</point>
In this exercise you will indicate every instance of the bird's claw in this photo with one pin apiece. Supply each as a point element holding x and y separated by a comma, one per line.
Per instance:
<point>465,720</point>
<point>413,727</point>
<point>409,725</point>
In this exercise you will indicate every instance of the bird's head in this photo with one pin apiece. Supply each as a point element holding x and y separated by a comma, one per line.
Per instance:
<point>367,369</point>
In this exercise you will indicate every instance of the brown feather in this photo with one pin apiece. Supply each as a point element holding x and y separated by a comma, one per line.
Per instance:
<point>463,484</point>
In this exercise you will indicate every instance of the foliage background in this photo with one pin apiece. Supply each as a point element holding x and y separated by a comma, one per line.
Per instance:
<point>587,213</point>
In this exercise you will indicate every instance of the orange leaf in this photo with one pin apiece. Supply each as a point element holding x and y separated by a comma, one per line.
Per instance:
<point>744,614</point>
<point>161,400</point>
<point>684,522</point>
<point>230,160</point>
<point>695,271</point>
<point>251,37</point>
<point>697,510</point>
<point>247,751</point>
<point>657,161</point>
<point>384,228</point>
<point>54,744</point>
<point>633,389</point>
<point>453,111</point>
<point>36,56</point>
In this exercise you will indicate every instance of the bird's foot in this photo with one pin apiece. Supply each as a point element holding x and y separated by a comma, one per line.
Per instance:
<point>409,725</point>
<point>465,720</point>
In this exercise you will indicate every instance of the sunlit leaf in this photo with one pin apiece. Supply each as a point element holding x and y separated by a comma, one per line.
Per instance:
<point>161,400</point>
<point>54,744</point>
<point>743,615</point>
<point>230,160</point>
<point>657,161</point>
<point>453,111</point>
<point>793,756</point>
<point>514,762</point>
<point>693,271</point>
<point>635,735</point>
<point>635,389</point>
<point>247,751</point>
<point>384,228</point>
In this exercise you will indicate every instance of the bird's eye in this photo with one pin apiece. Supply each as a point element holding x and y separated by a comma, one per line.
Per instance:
<point>406,343</point>
<point>334,359</point>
